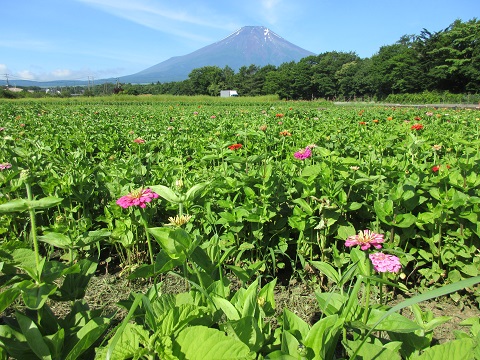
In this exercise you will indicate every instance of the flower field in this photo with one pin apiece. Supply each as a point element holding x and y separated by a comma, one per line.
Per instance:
<point>361,202</point>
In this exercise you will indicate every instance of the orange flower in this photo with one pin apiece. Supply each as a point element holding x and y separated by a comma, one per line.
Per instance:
<point>235,146</point>
<point>362,123</point>
<point>389,118</point>
<point>279,115</point>
<point>285,133</point>
<point>375,121</point>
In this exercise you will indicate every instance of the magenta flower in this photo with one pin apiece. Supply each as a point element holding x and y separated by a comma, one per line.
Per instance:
<point>385,262</point>
<point>4,166</point>
<point>137,198</point>
<point>365,239</point>
<point>303,154</point>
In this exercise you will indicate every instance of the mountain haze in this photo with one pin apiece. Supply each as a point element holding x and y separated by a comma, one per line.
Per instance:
<point>249,45</point>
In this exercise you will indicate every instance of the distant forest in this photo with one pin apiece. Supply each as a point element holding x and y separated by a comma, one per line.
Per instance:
<point>447,60</point>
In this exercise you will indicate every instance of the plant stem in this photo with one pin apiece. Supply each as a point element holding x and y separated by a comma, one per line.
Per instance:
<point>33,230</point>
<point>147,235</point>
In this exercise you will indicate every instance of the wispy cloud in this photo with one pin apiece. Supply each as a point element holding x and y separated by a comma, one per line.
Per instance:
<point>168,17</point>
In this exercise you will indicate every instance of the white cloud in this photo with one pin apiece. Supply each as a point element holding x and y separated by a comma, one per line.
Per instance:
<point>3,68</point>
<point>168,17</point>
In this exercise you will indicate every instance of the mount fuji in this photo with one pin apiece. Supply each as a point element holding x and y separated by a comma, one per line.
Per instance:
<point>249,45</point>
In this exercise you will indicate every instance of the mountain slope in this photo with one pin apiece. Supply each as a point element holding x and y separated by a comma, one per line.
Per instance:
<point>249,45</point>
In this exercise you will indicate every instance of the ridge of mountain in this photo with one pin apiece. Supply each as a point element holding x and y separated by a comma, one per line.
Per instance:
<point>248,45</point>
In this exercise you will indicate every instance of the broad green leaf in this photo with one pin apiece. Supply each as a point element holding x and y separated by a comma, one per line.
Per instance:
<point>33,336</point>
<point>87,336</point>
<point>7,297</point>
<point>327,270</point>
<point>44,203</point>
<point>404,220</point>
<point>323,336</point>
<point>14,206</point>
<point>193,192</point>
<point>56,239</point>
<point>295,325</point>
<point>373,351</point>
<point>173,241</point>
<point>35,295</point>
<point>200,343</point>
<point>246,330</point>
<point>330,303</point>
<point>166,193</point>
<point>130,341</point>
<point>455,349</point>
<point>394,322</point>
<point>226,306</point>
<point>266,298</point>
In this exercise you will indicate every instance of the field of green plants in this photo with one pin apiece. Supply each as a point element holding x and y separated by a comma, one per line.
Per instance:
<point>234,197</point>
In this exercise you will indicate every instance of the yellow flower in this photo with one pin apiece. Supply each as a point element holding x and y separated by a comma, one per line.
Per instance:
<point>179,220</point>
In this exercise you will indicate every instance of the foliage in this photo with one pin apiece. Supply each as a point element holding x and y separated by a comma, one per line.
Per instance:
<point>252,212</point>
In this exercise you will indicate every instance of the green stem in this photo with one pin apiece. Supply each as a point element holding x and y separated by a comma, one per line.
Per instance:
<point>33,230</point>
<point>147,235</point>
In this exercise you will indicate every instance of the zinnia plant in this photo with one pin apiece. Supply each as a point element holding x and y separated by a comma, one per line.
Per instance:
<point>385,262</point>
<point>137,198</point>
<point>4,166</point>
<point>365,239</point>
<point>303,154</point>
<point>416,127</point>
<point>235,146</point>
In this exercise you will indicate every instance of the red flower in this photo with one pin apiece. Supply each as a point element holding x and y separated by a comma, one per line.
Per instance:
<point>416,127</point>
<point>417,118</point>
<point>235,146</point>
<point>362,123</point>
<point>435,168</point>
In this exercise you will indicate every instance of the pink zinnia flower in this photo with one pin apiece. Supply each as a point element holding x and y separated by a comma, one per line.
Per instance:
<point>385,262</point>
<point>2,128</point>
<point>365,239</point>
<point>139,141</point>
<point>4,166</point>
<point>137,198</point>
<point>303,154</point>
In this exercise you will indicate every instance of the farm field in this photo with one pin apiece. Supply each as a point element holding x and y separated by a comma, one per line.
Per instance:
<point>245,228</point>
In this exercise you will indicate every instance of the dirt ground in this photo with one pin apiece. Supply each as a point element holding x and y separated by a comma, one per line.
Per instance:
<point>106,290</point>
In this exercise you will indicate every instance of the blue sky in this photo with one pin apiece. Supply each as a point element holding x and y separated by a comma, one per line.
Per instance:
<point>80,39</point>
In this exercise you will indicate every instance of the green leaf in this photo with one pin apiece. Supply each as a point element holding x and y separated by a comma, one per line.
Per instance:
<point>7,297</point>
<point>431,294</point>
<point>327,270</point>
<point>323,336</point>
<point>295,325</point>
<point>373,351</point>
<point>200,343</point>
<point>34,295</point>
<point>56,239</point>
<point>455,349</point>
<point>404,220</point>
<point>87,336</point>
<point>193,192</point>
<point>174,241</point>
<point>44,203</point>
<point>166,193</point>
<point>33,336</point>
<point>14,206</point>
<point>394,322</point>
<point>246,330</point>
<point>330,303</point>
<point>228,309</point>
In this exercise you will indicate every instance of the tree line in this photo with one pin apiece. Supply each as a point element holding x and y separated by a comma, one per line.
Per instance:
<point>446,60</point>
